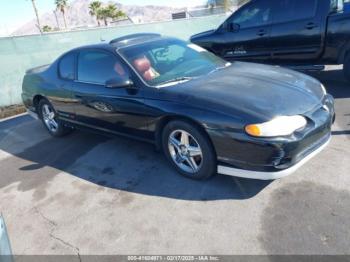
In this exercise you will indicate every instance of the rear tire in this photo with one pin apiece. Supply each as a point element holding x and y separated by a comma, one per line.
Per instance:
<point>189,150</point>
<point>48,116</point>
<point>346,67</point>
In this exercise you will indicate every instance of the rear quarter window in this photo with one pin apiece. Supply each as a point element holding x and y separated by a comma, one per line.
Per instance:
<point>66,67</point>
<point>294,10</point>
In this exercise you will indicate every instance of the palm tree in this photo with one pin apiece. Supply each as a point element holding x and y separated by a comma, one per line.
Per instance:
<point>102,14</point>
<point>61,5</point>
<point>37,16</point>
<point>113,12</point>
<point>94,7</point>
<point>110,11</point>
<point>118,14</point>
<point>47,28</point>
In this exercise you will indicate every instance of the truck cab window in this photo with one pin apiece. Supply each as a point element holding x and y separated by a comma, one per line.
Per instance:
<point>255,14</point>
<point>293,10</point>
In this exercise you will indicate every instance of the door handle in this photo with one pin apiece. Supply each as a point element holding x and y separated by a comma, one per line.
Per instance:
<point>261,32</point>
<point>310,26</point>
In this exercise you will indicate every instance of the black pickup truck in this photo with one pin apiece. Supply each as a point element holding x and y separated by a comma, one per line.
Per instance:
<point>296,33</point>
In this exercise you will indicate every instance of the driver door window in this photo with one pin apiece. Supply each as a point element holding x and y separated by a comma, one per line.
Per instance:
<point>248,33</point>
<point>255,14</point>
<point>98,67</point>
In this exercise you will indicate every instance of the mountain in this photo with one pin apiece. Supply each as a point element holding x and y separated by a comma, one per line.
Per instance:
<point>78,16</point>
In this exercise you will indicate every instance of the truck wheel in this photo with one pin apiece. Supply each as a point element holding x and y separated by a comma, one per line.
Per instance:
<point>346,68</point>
<point>49,118</point>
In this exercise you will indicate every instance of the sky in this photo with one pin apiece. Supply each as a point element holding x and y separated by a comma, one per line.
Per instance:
<point>14,13</point>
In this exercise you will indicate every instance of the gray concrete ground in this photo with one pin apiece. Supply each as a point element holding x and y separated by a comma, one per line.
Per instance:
<point>89,194</point>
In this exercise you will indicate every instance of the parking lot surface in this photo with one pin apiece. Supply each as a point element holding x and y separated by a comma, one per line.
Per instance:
<point>90,194</point>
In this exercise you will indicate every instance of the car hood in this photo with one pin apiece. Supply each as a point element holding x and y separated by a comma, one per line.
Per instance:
<point>256,90</point>
<point>202,34</point>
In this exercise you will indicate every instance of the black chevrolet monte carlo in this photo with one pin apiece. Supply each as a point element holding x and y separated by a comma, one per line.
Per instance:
<point>207,115</point>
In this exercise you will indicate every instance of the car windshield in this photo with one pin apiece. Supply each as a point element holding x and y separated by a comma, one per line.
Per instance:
<point>170,61</point>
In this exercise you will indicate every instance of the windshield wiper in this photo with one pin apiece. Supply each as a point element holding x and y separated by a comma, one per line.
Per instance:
<point>178,79</point>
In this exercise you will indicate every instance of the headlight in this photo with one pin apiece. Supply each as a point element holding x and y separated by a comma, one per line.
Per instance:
<point>279,126</point>
<point>323,89</point>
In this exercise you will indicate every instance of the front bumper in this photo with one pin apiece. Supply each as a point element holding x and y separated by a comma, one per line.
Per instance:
<point>270,158</point>
<point>230,171</point>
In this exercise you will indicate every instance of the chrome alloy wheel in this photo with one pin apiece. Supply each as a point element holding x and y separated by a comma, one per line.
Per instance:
<point>185,151</point>
<point>49,118</point>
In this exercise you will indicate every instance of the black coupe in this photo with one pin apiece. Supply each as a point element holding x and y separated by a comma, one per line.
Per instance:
<point>207,115</point>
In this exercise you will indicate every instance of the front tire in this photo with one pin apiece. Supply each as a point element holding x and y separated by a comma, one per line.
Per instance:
<point>189,150</point>
<point>50,120</point>
<point>346,67</point>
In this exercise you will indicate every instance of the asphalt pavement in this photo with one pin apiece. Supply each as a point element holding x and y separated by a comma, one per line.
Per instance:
<point>90,194</point>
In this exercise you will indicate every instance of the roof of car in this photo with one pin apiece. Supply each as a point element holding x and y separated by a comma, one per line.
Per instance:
<point>135,39</point>
<point>93,46</point>
<point>124,41</point>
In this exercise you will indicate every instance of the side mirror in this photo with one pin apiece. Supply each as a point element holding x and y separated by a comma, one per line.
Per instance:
<point>223,28</point>
<point>233,27</point>
<point>229,27</point>
<point>119,83</point>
